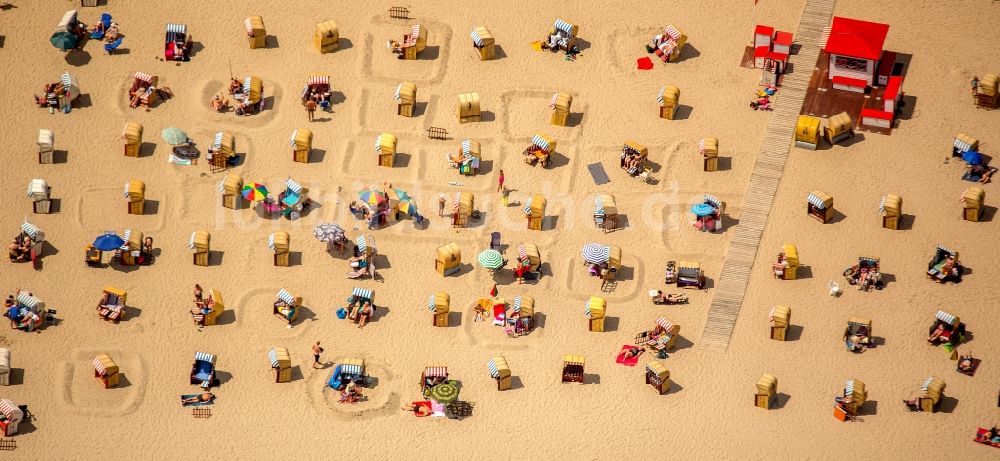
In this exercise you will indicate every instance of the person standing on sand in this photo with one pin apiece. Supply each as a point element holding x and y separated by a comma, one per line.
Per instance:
<point>310,108</point>
<point>441,202</point>
<point>500,182</point>
<point>505,195</point>
<point>317,350</point>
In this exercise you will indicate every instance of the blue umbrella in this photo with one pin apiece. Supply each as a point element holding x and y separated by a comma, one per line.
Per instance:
<point>109,241</point>
<point>702,209</point>
<point>972,157</point>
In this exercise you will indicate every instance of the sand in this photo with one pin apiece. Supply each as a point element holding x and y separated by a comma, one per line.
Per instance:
<point>708,413</point>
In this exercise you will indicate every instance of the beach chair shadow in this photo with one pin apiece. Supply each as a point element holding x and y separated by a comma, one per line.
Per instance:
<point>780,400</point>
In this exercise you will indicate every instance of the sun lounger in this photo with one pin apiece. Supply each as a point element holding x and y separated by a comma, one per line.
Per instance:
<point>495,241</point>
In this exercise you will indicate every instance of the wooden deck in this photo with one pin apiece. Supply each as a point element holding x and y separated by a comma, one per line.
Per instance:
<point>747,60</point>
<point>822,100</point>
<point>764,180</point>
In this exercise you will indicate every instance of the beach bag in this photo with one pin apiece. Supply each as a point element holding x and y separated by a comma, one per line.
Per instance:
<point>341,313</point>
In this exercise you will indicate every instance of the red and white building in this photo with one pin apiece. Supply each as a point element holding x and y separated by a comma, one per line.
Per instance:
<point>891,98</point>
<point>855,49</point>
<point>768,45</point>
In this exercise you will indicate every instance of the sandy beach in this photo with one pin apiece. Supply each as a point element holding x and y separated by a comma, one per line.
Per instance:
<point>708,412</point>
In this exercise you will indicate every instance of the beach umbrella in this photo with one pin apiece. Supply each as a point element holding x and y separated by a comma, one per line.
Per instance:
<point>328,232</point>
<point>174,136</point>
<point>444,393</point>
<point>595,253</point>
<point>491,259</point>
<point>403,196</point>
<point>702,209</point>
<point>408,207</point>
<point>972,157</point>
<point>372,196</point>
<point>64,40</point>
<point>254,191</point>
<point>108,241</point>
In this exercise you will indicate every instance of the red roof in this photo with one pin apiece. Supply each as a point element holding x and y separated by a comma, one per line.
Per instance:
<point>778,56</point>
<point>763,30</point>
<point>892,90</point>
<point>783,38</point>
<point>848,81</point>
<point>761,51</point>
<point>857,39</point>
<point>874,113</point>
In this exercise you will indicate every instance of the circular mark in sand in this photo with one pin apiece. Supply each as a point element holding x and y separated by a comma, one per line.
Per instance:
<point>85,395</point>
<point>379,398</point>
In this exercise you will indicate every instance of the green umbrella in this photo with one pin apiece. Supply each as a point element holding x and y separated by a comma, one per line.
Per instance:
<point>491,259</point>
<point>444,393</point>
<point>174,136</point>
<point>64,40</point>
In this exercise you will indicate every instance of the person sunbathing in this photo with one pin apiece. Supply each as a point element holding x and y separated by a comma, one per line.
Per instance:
<point>419,409</point>
<point>15,251</point>
<point>632,353</point>
<point>350,394</point>
<point>989,436</point>
<point>112,33</point>
<point>936,334</point>
<point>199,294</point>
<point>965,363</point>
<point>365,314</point>
<point>200,398</point>
<point>219,103</point>
<point>235,86</point>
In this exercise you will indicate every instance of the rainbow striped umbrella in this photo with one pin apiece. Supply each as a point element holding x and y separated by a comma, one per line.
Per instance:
<point>407,207</point>
<point>254,191</point>
<point>372,196</point>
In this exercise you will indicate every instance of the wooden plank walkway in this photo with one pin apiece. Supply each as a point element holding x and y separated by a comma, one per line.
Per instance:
<point>764,180</point>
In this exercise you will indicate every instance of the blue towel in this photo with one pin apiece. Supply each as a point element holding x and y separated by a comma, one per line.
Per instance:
<point>109,47</point>
<point>106,20</point>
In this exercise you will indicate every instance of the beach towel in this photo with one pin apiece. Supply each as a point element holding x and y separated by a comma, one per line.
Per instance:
<point>980,438</point>
<point>630,362</point>
<point>644,63</point>
<point>971,372</point>
<point>598,174</point>
<point>499,315</point>
<point>195,404</point>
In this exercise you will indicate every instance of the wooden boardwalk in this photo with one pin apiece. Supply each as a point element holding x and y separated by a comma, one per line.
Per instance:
<point>764,180</point>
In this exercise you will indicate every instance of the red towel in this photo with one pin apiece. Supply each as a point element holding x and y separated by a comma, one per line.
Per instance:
<point>644,63</point>
<point>630,362</point>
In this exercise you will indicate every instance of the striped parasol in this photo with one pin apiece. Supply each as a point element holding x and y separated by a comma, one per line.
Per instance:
<point>372,196</point>
<point>444,393</point>
<point>328,232</point>
<point>254,191</point>
<point>491,259</point>
<point>408,207</point>
<point>174,136</point>
<point>595,253</point>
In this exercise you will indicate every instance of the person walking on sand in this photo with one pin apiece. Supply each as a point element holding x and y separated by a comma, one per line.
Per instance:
<point>500,182</point>
<point>310,109</point>
<point>441,202</point>
<point>505,195</point>
<point>317,350</point>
